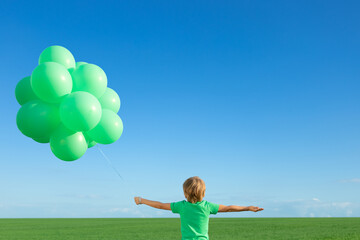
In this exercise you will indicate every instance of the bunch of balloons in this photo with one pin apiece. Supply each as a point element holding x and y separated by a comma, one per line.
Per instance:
<point>68,104</point>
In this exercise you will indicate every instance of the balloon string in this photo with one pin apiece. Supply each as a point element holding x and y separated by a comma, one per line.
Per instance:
<point>129,188</point>
<point>109,162</point>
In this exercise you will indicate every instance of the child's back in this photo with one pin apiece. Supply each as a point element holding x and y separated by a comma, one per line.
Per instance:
<point>194,213</point>
<point>194,218</point>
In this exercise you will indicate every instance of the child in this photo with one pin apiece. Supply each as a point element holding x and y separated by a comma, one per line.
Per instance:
<point>194,213</point>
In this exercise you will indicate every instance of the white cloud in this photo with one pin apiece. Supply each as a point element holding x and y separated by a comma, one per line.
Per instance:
<point>349,213</point>
<point>113,210</point>
<point>131,212</point>
<point>341,204</point>
<point>160,213</point>
<point>313,207</point>
<point>352,180</point>
<point>88,196</point>
<point>83,196</point>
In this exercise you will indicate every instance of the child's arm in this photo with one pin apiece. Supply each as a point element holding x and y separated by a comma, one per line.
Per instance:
<point>233,208</point>
<point>154,204</point>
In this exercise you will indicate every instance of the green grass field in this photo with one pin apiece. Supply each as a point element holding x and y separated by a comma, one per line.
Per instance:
<point>169,228</point>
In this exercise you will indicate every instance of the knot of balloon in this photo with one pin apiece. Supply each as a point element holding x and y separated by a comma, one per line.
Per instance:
<point>67,104</point>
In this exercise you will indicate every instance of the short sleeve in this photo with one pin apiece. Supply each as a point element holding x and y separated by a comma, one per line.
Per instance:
<point>176,206</point>
<point>213,207</point>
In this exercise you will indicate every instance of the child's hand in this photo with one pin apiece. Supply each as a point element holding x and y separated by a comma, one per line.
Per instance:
<point>255,209</point>
<point>137,200</point>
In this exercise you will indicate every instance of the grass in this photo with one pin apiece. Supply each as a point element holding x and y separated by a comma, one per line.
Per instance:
<point>169,228</point>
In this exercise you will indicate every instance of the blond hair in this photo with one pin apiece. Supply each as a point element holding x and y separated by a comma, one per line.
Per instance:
<point>194,189</point>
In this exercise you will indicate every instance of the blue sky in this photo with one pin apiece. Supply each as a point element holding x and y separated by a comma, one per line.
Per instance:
<point>258,98</point>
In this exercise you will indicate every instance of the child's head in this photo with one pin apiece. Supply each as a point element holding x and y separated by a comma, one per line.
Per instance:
<point>194,189</point>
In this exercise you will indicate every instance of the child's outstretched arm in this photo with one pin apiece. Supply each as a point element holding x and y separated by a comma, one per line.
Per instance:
<point>154,204</point>
<point>234,208</point>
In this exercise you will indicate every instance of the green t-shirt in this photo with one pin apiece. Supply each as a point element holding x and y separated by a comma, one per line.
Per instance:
<point>194,218</point>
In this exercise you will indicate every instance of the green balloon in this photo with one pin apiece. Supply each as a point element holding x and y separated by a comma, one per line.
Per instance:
<point>24,92</point>
<point>80,111</point>
<point>89,141</point>
<point>91,144</point>
<point>90,78</point>
<point>110,100</point>
<point>71,71</point>
<point>37,119</point>
<point>109,128</point>
<point>67,145</point>
<point>78,64</point>
<point>51,81</point>
<point>42,140</point>
<point>59,55</point>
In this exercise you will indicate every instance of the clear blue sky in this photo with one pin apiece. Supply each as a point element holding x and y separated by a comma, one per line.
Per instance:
<point>258,98</point>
